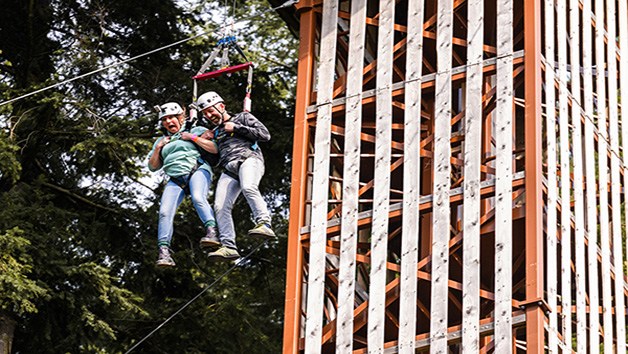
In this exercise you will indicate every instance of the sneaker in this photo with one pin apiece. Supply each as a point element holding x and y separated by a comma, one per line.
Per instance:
<point>211,240</point>
<point>263,230</point>
<point>165,258</point>
<point>223,254</point>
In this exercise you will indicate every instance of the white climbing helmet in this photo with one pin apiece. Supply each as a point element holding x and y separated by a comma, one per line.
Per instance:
<point>168,109</point>
<point>209,99</point>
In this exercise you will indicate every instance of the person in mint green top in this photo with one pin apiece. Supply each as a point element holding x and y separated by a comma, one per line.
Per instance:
<point>177,154</point>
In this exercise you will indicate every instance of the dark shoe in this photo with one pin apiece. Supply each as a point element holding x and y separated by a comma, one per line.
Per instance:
<point>263,230</point>
<point>211,240</point>
<point>165,258</point>
<point>223,254</point>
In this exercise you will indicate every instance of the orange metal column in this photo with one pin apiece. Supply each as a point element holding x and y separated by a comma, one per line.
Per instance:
<point>299,178</point>
<point>534,196</point>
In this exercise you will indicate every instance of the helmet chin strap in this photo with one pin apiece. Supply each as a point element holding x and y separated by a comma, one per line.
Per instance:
<point>222,115</point>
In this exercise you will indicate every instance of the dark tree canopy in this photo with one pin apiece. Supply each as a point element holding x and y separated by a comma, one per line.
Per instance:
<point>78,222</point>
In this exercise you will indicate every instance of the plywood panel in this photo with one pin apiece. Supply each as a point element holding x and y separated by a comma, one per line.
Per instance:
<point>381,201</point>
<point>576,118</point>
<point>411,180</point>
<point>590,165</point>
<point>320,184</point>
<point>552,186</point>
<point>503,184</point>
<point>442,168</point>
<point>351,180</point>
<point>616,238</point>
<point>603,174</point>
<point>472,161</point>
<point>565,172</point>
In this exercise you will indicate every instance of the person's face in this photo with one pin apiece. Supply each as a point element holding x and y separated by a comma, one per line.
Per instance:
<point>172,123</point>
<point>213,113</point>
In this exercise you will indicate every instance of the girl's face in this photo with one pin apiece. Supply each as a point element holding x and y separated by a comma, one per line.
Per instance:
<point>173,123</point>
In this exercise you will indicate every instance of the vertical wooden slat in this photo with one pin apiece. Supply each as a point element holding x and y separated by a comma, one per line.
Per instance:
<point>351,180</point>
<point>320,184</point>
<point>381,200</point>
<point>576,118</point>
<point>565,197</point>
<point>411,179</point>
<point>600,68</point>
<point>591,185</point>
<point>552,189</point>
<point>616,238</point>
<point>472,162</point>
<point>442,155</point>
<point>503,183</point>
<point>623,85</point>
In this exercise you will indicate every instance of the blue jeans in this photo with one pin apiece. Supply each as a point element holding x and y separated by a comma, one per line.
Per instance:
<point>250,173</point>
<point>173,195</point>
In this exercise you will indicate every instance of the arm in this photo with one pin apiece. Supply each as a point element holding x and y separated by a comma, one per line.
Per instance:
<point>251,128</point>
<point>204,143</point>
<point>154,162</point>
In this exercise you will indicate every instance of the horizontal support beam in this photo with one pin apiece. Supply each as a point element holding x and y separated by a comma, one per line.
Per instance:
<point>453,337</point>
<point>424,79</point>
<point>426,199</point>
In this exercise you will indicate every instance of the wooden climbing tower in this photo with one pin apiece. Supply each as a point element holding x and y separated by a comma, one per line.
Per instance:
<point>459,182</point>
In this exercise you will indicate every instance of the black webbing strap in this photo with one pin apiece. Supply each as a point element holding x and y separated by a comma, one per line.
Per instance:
<point>186,186</point>
<point>204,67</point>
<point>232,175</point>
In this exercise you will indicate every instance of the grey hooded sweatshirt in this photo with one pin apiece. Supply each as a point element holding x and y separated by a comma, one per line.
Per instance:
<point>240,144</point>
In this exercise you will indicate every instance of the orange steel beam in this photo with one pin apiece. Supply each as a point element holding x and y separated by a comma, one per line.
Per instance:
<point>292,318</point>
<point>535,318</point>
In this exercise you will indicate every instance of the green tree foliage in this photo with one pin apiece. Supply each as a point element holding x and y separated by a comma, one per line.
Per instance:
<point>78,224</point>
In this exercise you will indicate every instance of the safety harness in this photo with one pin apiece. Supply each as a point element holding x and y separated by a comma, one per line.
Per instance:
<point>181,182</point>
<point>205,157</point>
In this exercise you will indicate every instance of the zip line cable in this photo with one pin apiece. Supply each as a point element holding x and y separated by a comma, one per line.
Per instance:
<point>240,261</point>
<point>285,4</point>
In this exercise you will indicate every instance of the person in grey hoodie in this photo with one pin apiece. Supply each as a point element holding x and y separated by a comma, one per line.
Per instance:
<point>236,137</point>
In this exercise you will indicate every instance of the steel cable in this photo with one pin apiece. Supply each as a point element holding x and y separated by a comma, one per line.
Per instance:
<point>286,4</point>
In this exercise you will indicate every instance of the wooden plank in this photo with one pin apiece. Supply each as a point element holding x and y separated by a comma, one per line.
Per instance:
<point>552,182</point>
<point>503,184</point>
<point>351,180</point>
<point>472,163</point>
<point>616,239</point>
<point>381,187</point>
<point>565,172</point>
<point>442,153</point>
<point>589,153</point>
<point>320,184</point>
<point>603,175</point>
<point>623,85</point>
<point>411,180</point>
<point>576,122</point>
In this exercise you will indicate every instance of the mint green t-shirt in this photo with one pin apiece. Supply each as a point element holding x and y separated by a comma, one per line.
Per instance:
<point>179,156</point>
